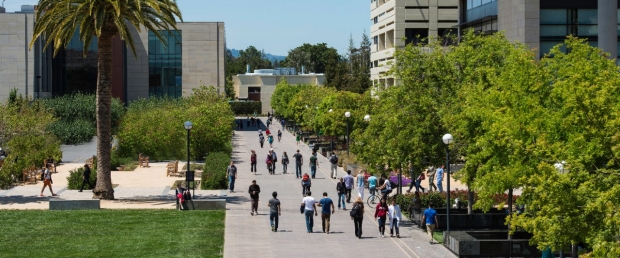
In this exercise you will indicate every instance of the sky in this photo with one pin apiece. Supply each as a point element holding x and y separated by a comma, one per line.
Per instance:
<point>275,26</point>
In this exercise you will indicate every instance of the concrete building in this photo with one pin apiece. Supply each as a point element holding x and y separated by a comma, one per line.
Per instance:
<point>260,85</point>
<point>542,24</point>
<point>395,20</point>
<point>193,56</point>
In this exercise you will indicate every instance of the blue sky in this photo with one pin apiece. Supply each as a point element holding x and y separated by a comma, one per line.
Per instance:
<point>275,26</point>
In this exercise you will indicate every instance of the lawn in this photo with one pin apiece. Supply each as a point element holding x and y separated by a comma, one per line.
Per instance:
<point>112,233</point>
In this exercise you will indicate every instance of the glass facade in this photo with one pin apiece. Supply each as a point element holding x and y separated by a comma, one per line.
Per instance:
<point>478,9</point>
<point>72,71</point>
<point>165,64</point>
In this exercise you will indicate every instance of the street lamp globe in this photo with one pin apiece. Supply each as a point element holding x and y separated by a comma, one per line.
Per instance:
<point>347,114</point>
<point>367,118</point>
<point>330,110</point>
<point>188,125</point>
<point>447,139</point>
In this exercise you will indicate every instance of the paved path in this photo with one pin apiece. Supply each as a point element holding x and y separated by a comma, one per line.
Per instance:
<point>251,236</point>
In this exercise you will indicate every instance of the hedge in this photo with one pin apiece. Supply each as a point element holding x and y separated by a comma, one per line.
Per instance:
<point>214,174</point>
<point>74,180</point>
<point>246,107</point>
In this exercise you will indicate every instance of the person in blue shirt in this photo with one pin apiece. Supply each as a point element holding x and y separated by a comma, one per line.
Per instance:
<point>439,175</point>
<point>372,184</point>
<point>327,209</point>
<point>430,216</point>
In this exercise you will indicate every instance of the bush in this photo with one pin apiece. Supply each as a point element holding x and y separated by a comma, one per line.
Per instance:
<point>73,132</point>
<point>214,174</point>
<point>74,180</point>
<point>246,107</point>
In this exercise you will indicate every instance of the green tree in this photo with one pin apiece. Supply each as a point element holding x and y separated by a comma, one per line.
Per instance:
<point>283,95</point>
<point>58,19</point>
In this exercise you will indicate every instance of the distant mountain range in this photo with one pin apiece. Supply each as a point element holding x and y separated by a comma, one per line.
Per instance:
<point>271,57</point>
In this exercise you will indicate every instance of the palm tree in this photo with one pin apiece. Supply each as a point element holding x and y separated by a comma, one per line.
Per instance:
<point>57,20</point>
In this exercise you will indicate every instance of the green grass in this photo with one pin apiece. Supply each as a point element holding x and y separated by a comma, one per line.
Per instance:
<point>112,233</point>
<point>438,236</point>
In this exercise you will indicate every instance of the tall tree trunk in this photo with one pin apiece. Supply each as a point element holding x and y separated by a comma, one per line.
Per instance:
<point>103,189</point>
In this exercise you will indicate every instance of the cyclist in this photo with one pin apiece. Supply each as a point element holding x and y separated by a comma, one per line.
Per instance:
<point>386,188</point>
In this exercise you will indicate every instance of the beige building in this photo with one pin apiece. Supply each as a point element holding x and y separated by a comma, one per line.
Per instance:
<point>16,61</point>
<point>395,20</point>
<point>260,85</point>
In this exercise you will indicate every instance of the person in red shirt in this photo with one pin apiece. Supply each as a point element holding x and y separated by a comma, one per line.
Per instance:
<point>381,213</point>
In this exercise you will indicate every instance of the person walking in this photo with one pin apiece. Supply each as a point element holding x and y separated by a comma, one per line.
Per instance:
<point>299,161</point>
<point>231,173</point>
<point>439,175</point>
<point>306,183</point>
<point>279,135</point>
<point>357,215</point>
<point>430,217</point>
<point>416,208</point>
<point>47,181</point>
<point>298,137</point>
<point>284,162</point>
<point>418,181</point>
<point>274,211</point>
<point>86,178</point>
<point>372,184</point>
<point>313,164</point>
<point>395,217</point>
<point>381,213</point>
<point>261,139</point>
<point>310,207</point>
<point>348,184</point>
<point>360,184</point>
<point>327,209</point>
<point>270,140</point>
<point>253,163</point>
<point>333,160</point>
<point>254,190</point>
<point>180,194</point>
<point>431,178</point>
<point>342,191</point>
<point>269,162</point>
<point>275,160</point>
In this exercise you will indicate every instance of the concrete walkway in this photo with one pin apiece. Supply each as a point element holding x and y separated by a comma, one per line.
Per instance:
<point>251,236</point>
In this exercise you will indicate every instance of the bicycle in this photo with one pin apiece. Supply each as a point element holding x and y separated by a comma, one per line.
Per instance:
<point>373,199</point>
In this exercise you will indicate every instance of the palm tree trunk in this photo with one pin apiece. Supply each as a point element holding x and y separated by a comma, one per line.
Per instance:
<point>103,189</point>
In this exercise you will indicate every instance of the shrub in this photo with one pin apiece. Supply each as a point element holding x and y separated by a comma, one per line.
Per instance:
<point>74,180</point>
<point>214,174</point>
<point>246,108</point>
<point>73,131</point>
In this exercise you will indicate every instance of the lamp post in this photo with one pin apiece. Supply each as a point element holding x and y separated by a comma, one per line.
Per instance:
<point>188,126</point>
<point>347,115</point>
<point>367,118</point>
<point>447,139</point>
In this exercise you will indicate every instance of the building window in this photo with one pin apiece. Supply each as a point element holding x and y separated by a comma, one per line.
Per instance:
<point>165,64</point>
<point>478,9</point>
<point>416,36</point>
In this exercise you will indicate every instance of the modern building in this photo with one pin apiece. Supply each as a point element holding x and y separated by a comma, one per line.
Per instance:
<point>192,56</point>
<point>542,24</point>
<point>260,85</point>
<point>412,20</point>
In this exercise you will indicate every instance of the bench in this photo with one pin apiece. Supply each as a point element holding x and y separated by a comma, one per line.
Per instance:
<point>204,204</point>
<point>172,169</point>
<point>29,175</point>
<point>143,160</point>
<point>62,204</point>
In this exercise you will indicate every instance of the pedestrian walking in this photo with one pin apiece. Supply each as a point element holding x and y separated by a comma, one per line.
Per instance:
<point>274,211</point>
<point>313,164</point>
<point>372,184</point>
<point>431,178</point>
<point>253,162</point>
<point>284,162</point>
<point>395,216</point>
<point>360,184</point>
<point>270,140</point>
<point>269,162</point>
<point>416,208</point>
<point>298,137</point>
<point>180,193</point>
<point>261,139</point>
<point>47,181</point>
<point>299,161</point>
<point>327,209</point>
<point>357,215</point>
<point>231,173</point>
<point>310,207</point>
<point>348,184</point>
<point>268,123</point>
<point>279,135</point>
<point>381,213</point>
<point>275,160</point>
<point>254,190</point>
<point>333,160</point>
<point>430,217</point>
<point>267,131</point>
<point>439,175</point>
<point>417,182</point>
<point>306,183</point>
<point>341,190</point>
<point>86,177</point>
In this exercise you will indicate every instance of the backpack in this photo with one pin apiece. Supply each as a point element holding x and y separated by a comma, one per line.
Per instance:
<point>305,178</point>
<point>42,175</point>
<point>422,177</point>
<point>354,211</point>
<point>334,159</point>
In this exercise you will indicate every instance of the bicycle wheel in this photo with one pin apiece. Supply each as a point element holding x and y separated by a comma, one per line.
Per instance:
<point>372,201</point>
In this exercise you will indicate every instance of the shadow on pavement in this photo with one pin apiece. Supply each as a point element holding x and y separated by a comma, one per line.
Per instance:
<point>22,199</point>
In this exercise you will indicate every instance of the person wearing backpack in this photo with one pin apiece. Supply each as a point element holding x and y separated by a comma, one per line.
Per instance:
<point>47,175</point>
<point>284,162</point>
<point>269,162</point>
<point>261,139</point>
<point>231,173</point>
<point>348,183</point>
<point>357,215</point>
<point>275,160</point>
<point>333,160</point>
<point>306,183</point>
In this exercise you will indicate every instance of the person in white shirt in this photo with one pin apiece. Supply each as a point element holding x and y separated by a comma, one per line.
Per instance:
<point>395,216</point>
<point>310,207</point>
<point>360,183</point>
